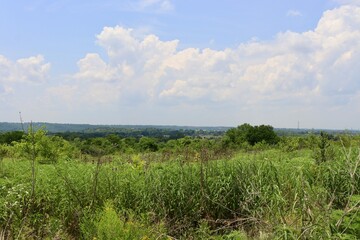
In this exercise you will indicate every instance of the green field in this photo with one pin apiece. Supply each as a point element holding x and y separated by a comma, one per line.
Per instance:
<point>228,187</point>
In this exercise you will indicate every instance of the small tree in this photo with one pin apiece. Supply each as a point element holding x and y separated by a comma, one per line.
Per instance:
<point>324,151</point>
<point>247,134</point>
<point>148,144</point>
<point>262,133</point>
<point>42,148</point>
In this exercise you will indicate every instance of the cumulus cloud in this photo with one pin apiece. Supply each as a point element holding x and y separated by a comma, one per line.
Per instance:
<point>320,66</point>
<point>20,73</point>
<point>348,2</point>
<point>92,67</point>
<point>25,70</point>
<point>22,84</point>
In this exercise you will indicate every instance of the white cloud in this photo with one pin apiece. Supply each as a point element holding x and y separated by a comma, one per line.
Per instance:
<point>348,2</point>
<point>22,84</point>
<point>21,73</point>
<point>25,70</point>
<point>312,69</point>
<point>294,64</point>
<point>92,67</point>
<point>293,13</point>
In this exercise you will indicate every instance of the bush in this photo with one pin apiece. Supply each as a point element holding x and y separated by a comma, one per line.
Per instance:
<point>109,225</point>
<point>325,150</point>
<point>45,149</point>
<point>10,137</point>
<point>346,224</point>
<point>246,133</point>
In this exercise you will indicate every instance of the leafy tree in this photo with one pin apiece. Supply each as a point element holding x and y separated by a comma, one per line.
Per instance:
<point>324,151</point>
<point>262,133</point>
<point>148,144</point>
<point>185,141</point>
<point>130,144</point>
<point>45,149</point>
<point>246,133</point>
<point>113,139</point>
<point>240,134</point>
<point>9,137</point>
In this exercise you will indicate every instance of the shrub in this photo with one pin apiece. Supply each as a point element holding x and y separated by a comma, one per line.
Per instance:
<point>246,133</point>
<point>324,151</point>
<point>346,223</point>
<point>110,225</point>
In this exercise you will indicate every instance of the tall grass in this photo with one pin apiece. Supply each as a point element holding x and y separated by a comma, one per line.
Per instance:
<point>280,194</point>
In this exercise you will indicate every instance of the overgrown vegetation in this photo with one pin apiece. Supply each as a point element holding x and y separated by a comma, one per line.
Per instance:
<point>247,184</point>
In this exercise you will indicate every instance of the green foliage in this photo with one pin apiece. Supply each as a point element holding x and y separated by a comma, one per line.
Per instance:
<point>262,133</point>
<point>325,150</point>
<point>10,137</point>
<point>273,192</point>
<point>341,177</point>
<point>346,223</point>
<point>5,151</point>
<point>291,144</point>
<point>110,225</point>
<point>247,134</point>
<point>45,149</point>
<point>97,146</point>
<point>148,144</point>
<point>240,134</point>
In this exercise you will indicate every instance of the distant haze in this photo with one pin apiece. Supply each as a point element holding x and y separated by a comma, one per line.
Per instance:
<point>180,62</point>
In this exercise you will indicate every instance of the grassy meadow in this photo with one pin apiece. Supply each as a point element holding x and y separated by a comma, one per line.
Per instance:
<point>304,187</point>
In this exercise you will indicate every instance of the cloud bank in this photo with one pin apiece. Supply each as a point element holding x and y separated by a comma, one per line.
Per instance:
<point>320,65</point>
<point>309,71</point>
<point>25,70</point>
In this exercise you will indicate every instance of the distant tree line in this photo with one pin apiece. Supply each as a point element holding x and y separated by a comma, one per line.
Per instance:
<point>129,141</point>
<point>152,139</point>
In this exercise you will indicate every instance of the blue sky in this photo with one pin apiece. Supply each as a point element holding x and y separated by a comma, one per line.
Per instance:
<point>181,62</point>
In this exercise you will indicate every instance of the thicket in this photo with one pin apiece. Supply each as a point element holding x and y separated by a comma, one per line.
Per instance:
<point>246,134</point>
<point>189,188</point>
<point>10,137</point>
